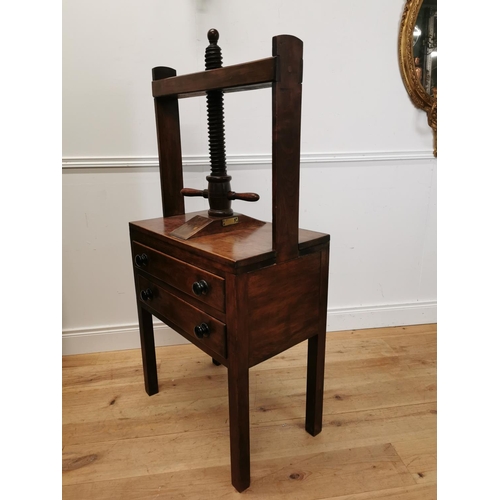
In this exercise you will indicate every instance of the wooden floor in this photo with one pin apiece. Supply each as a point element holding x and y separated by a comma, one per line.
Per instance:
<point>378,439</point>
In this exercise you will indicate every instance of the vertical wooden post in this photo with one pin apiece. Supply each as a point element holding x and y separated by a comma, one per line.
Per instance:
<point>146,334</point>
<point>148,350</point>
<point>169,148</point>
<point>286,104</point>
<point>316,357</point>
<point>239,408</point>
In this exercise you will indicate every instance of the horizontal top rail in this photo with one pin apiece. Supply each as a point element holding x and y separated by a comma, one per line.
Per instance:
<point>247,76</point>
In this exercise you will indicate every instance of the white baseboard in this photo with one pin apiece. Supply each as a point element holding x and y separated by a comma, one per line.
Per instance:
<point>356,318</point>
<point>117,338</point>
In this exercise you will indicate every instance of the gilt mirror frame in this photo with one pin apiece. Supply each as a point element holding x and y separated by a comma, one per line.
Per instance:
<point>420,98</point>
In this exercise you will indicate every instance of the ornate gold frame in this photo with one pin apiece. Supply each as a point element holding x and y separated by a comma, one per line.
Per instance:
<point>420,98</point>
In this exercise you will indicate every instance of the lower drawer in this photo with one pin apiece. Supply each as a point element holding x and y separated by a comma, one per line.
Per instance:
<point>190,321</point>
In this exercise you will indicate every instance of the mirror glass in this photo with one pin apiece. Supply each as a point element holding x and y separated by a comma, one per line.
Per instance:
<point>425,46</point>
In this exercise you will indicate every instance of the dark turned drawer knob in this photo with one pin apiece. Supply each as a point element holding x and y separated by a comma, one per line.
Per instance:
<point>202,330</point>
<point>146,294</point>
<point>200,287</point>
<point>141,260</point>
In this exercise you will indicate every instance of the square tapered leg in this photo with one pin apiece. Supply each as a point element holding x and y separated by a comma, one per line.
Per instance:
<point>148,350</point>
<point>315,383</point>
<point>239,427</point>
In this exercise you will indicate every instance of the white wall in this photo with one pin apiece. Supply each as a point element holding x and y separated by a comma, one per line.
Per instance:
<point>368,177</point>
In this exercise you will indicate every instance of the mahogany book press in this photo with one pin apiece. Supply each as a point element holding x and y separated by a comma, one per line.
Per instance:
<point>240,289</point>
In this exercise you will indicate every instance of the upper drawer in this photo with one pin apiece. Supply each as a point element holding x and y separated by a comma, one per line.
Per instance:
<point>202,285</point>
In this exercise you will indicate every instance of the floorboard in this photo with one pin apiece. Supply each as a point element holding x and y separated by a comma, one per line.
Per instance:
<point>378,439</point>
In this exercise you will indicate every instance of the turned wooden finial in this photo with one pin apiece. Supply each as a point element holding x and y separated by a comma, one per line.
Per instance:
<point>213,35</point>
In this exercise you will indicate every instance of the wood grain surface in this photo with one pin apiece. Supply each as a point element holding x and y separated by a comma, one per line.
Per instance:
<point>233,247</point>
<point>379,425</point>
<point>238,77</point>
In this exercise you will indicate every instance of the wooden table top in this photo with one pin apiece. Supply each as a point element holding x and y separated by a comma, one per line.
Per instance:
<point>245,243</point>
